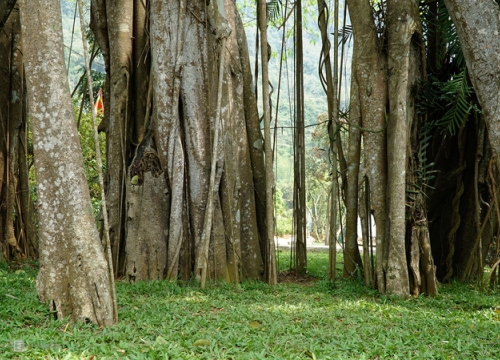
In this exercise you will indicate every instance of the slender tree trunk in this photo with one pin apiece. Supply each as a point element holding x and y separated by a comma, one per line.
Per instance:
<point>299,186</point>
<point>18,235</point>
<point>270,261</point>
<point>352,257</point>
<point>333,111</point>
<point>11,120</point>
<point>73,277</point>
<point>119,17</point>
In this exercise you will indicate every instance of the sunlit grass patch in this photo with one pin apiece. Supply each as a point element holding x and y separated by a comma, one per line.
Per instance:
<point>341,320</point>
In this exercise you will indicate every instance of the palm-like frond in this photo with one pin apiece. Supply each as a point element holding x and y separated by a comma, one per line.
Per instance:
<point>449,101</point>
<point>456,93</point>
<point>274,9</point>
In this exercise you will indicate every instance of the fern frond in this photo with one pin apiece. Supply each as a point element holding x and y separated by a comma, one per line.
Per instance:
<point>457,93</point>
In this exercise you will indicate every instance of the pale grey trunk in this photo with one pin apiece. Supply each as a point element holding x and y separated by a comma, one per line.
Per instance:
<point>185,95</point>
<point>403,23</point>
<point>147,215</point>
<point>73,277</point>
<point>168,22</point>
<point>370,74</point>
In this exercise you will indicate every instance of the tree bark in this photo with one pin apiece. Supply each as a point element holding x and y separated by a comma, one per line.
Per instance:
<point>370,73</point>
<point>352,257</point>
<point>252,162</point>
<point>402,23</point>
<point>119,17</point>
<point>299,185</point>
<point>270,261</point>
<point>185,95</point>
<point>73,277</point>
<point>478,28</point>
<point>18,236</point>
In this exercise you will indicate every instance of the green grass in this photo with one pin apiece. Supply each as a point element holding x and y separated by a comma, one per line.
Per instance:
<point>159,320</point>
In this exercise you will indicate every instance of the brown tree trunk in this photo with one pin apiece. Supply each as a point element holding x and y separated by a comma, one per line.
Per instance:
<point>120,26</point>
<point>18,235</point>
<point>253,180</point>
<point>299,184</point>
<point>352,257</point>
<point>73,277</point>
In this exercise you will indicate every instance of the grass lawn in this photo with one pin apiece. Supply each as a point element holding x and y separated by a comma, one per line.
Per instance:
<point>298,320</point>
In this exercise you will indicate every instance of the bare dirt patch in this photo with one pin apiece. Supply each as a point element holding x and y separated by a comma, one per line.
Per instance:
<point>292,277</point>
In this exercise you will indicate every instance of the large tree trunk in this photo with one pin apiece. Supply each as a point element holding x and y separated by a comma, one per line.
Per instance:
<point>478,28</point>
<point>73,277</point>
<point>164,137</point>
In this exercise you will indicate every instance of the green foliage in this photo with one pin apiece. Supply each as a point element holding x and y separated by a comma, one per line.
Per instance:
<point>447,95</point>
<point>318,170</point>
<point>456,93</point>
<point>318,319</point>
<point>86,133</point>
<point>451,98</point>
<point>439,31</point>
<point>274,9</point>
<point>98,79</point>
<point>283,215</point>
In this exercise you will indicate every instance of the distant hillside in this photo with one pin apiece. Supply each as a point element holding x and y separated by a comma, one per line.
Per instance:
<point>73,40</point>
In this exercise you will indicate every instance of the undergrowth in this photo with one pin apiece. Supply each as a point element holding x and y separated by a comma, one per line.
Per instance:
<point>317,319</point>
